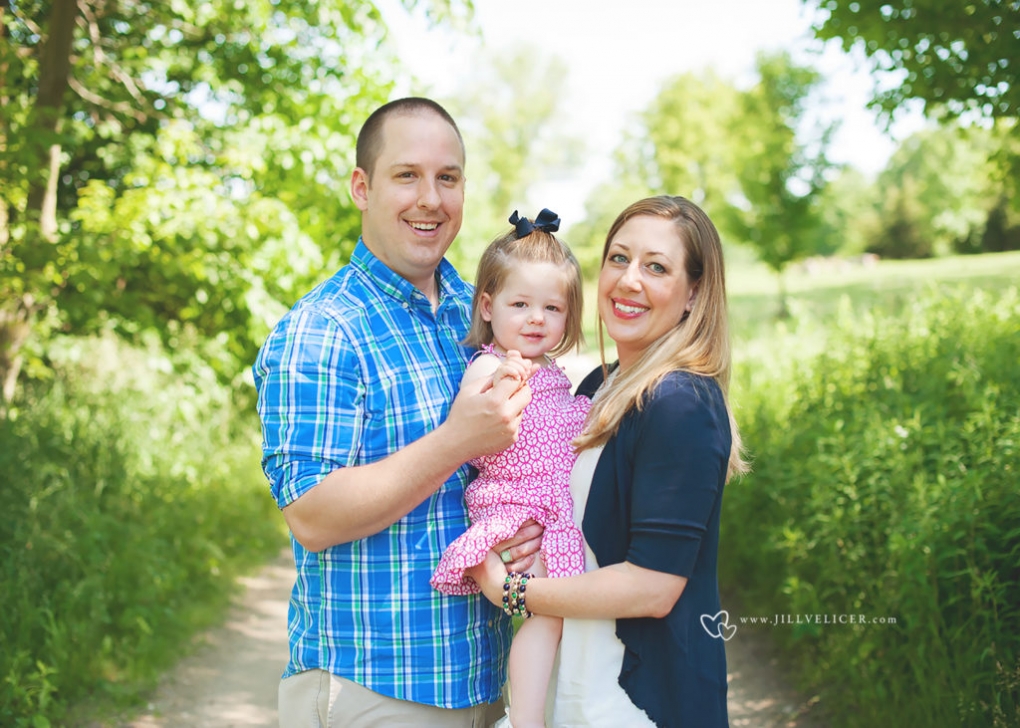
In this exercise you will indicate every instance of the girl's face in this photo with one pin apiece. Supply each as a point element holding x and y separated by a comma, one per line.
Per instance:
<point>529,313</point>
<point>644,289</point>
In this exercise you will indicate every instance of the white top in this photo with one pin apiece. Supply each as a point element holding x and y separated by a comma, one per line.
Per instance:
<point>586,689</point>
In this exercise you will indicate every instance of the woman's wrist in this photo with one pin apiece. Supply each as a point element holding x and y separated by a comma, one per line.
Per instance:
<point>513,599</point>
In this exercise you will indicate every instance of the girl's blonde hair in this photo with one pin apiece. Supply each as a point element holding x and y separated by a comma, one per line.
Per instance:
<point>699,343</point>
<point>494,268</point>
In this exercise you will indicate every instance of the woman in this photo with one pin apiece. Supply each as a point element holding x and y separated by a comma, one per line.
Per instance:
<point>658,446</point>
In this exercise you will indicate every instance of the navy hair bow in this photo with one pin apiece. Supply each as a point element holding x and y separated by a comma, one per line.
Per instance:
<point>547,221</point>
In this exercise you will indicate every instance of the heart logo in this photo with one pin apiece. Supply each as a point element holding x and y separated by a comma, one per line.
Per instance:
<point>717,625</point>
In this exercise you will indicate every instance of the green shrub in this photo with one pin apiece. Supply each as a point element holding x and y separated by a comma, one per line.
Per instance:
<point>885,484</point>
<point>130,502</point>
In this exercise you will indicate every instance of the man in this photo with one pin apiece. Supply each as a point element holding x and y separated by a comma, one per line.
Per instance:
<point>365,436</point>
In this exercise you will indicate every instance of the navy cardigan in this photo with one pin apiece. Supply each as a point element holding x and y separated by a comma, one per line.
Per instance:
<point>654,501</point>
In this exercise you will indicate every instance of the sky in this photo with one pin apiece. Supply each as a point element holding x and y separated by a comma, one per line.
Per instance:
<point>619,53</point>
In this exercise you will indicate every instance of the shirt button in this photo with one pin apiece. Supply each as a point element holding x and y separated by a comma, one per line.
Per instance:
<point>491,623</point>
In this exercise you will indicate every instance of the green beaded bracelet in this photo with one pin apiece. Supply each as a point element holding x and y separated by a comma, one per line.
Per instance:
<point>514,588</point>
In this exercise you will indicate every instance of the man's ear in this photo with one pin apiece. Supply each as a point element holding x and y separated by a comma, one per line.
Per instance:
<point>359,188</point>
<point>485,307</point>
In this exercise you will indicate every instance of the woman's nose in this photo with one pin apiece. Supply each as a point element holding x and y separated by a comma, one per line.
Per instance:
<point>630,278</point>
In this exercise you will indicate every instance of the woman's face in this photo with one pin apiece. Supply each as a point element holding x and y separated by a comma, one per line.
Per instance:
<point>643,286</point>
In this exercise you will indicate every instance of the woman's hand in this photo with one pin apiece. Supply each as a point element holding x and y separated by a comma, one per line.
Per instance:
<point>520,551</point>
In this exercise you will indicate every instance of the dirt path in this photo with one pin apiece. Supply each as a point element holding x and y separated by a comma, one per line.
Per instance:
<point>230,681</point>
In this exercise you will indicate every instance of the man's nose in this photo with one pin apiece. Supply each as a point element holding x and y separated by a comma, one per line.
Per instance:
<point>428,195</point>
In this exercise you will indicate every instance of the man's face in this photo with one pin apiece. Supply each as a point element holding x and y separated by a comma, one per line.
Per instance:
<point>413,205</point>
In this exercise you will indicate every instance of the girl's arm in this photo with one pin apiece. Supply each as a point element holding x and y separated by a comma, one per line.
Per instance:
<point>495,369</point>
<point>523,546</point>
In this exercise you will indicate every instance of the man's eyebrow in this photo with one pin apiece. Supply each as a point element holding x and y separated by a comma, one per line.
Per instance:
<point>415,165</point>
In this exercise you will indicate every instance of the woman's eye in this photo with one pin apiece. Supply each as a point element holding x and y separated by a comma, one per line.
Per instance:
<point>657,268</point>
<point>617,258</point>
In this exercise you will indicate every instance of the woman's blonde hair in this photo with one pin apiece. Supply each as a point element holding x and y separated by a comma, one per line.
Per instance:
<point>494,268</point>
<point>700,341</point>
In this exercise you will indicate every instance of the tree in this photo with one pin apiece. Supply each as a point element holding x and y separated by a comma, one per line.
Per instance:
<point>688,126</point>
<point>509,109</point>
<point>953,56</point>
<point>178,166</point>
<point>749,157</point>
<point>781,175</point>
<point>937,192</point>
<point>850,217</point>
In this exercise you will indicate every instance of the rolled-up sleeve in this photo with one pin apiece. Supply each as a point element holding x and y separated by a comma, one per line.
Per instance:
<point>310,400</point>
<point>679,468</point>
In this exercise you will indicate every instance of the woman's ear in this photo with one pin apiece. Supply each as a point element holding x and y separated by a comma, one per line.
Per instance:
<point>691,298</point>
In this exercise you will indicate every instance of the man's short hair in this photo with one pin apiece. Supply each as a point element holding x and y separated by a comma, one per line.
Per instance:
<point>370,138</point>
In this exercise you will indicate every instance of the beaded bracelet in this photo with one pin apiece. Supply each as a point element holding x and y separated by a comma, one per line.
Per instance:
<point>513,594</point>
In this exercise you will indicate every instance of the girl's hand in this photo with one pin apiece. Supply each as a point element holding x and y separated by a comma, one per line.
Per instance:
<point>490,575</point>
<point>514,367</point>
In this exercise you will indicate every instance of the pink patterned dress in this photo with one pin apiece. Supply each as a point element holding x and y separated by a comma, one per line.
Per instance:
<point>528,480</point>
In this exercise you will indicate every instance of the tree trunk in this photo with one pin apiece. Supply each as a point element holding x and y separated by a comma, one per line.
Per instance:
<point>15,326</point>
<point>784,306</point>
<point>54,67</point>
<point>5,234</point>
<point>18,312</point>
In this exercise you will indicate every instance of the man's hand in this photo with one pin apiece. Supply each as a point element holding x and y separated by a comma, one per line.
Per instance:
<point>485,416</point>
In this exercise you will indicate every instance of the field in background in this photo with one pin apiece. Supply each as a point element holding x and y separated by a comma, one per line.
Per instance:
<point>819,292</point>
<point>816,289</point>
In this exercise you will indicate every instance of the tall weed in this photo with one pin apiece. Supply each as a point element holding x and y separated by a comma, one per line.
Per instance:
<point>130,501</point>
<point>885,484</point>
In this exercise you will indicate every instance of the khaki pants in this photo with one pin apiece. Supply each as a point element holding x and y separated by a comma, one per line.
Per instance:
<point>317,699</point>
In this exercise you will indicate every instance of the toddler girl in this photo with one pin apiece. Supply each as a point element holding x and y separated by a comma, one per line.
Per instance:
<point>527,305</point>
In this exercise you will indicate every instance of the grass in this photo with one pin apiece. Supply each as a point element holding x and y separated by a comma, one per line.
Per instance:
<point>888,286</point>
<point>133,498</point>
<point>884,483</point>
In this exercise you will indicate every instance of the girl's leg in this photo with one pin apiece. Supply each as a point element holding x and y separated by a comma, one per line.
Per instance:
<point>532,654</point>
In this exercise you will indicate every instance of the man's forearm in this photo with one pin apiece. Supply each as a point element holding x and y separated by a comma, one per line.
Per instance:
<point>355,502</point>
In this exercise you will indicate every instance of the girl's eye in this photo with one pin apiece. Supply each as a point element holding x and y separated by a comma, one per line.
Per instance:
<point>518,304</point>
<point>554,309</point>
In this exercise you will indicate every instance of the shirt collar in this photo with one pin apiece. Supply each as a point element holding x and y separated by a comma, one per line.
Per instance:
<point>450,284</point>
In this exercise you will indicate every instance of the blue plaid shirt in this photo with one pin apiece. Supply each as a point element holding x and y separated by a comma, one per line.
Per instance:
<point>359,368</point>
